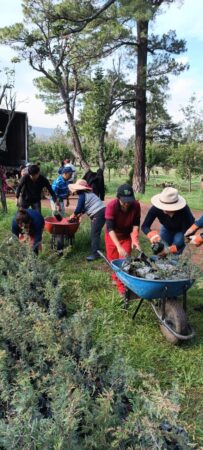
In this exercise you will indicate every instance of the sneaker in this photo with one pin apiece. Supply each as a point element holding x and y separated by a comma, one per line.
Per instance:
<point>92,257</point>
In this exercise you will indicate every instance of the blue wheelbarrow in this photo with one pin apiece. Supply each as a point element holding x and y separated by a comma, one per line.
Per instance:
<point>162,295</point>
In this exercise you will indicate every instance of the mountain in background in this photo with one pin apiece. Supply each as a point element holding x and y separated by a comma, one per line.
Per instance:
<point>43,133</point>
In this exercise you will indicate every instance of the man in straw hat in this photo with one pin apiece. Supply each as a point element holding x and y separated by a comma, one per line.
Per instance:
<point>175,218</point>
<point>90,204</point>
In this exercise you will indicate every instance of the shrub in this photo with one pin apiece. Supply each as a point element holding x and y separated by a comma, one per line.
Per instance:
<point>59,388</point>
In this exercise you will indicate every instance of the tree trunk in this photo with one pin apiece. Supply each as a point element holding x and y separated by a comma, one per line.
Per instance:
<point>140,118</point>
<point>101,151</point>
<point>190,180</point>
<point>77,149</point>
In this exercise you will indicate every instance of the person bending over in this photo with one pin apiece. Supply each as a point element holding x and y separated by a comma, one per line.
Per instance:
<point>90,204</point>
<point>174,216</point>
<point>122,227</point>
<point>30,187</point>
<point>29,224</point>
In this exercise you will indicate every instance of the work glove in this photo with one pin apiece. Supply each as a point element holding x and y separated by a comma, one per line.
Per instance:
<point>153,236</point>
<point>192,230</point>
<point>171,250</point>
<point>196,240</point>
<point>72,216</point>
<point>135,239</point>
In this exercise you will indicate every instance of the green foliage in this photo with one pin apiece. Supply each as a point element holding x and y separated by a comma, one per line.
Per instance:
<point>61,388</point>
<point>188,158</point>
<point>192,122</point>
<point>49,152</point>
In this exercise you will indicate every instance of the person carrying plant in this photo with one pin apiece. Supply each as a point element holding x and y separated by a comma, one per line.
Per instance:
<point>28,224</point>
<point>90,204</point>
<point>29,190</point>
<point>122,228</point>
<point>175,218</point>
<point>195,239</point>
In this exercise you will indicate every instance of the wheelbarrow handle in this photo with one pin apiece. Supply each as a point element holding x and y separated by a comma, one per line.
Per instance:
<point>107,261</point>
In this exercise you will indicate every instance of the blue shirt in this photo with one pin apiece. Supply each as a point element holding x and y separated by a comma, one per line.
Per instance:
<point>36,229</point>
<point>80,208</point>
<point>60,187</point>
<point>199,222</point>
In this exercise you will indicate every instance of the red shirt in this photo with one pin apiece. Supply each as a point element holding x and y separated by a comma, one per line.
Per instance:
<point>123,221</point>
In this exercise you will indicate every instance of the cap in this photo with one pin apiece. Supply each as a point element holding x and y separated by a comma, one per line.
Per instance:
<point>67,170</point>
<point>125,193</point>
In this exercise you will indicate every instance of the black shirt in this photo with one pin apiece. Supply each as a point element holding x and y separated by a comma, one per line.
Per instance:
<point>31,190</point>
<point>180,221</point>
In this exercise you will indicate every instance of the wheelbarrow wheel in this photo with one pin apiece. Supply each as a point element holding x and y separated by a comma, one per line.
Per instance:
<point>176,319</point>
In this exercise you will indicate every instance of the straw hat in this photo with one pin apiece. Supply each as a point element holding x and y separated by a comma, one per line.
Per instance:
<point>80,185</point>
<point>168,200</point>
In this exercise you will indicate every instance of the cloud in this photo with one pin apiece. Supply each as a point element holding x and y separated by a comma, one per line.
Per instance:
<point>181,91</point>
<point>184,17</point>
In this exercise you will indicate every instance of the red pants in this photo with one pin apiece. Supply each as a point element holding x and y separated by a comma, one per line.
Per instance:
<point>112,253</point>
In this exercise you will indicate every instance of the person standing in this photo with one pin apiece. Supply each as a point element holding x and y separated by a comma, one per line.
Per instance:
<point>90,204</point>
<point>61,189</point>
<point>74,172</point>
<point>29,190</point>
<point>122,228</point>
<point>175,218</point>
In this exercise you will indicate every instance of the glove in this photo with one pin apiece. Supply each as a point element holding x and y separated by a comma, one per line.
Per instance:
<point>168,251</point>
<point>72,216</point>
<point>191,230</point>
<point>135,240</point>
<point>196,240</point>
<point>172,249</point>
<point>153,236</point>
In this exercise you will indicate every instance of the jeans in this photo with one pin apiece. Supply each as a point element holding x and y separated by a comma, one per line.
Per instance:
<point>34,205</point>
<point>173,238</point>
<point>97,223</point>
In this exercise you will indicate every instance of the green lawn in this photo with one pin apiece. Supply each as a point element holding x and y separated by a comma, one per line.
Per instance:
<point>154,186</point>
<point>177,369</point>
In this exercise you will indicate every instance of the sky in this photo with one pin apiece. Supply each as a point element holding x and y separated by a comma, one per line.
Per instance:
<point>183,16</point>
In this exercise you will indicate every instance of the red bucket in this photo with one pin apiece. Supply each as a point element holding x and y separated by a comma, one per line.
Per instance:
<point>61,228</point>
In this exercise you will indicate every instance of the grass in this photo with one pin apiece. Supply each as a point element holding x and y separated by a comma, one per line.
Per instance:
<point>177,369</point>
<point>154,186</point>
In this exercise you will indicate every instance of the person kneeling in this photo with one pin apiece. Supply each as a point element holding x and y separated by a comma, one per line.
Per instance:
<point>175,217</point>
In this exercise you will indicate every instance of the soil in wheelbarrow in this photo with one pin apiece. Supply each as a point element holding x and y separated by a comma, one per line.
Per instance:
<point>167,269</point>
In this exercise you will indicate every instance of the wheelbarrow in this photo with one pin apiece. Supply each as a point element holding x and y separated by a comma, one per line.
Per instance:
<point>63,231</point>
<point>162,296</point>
